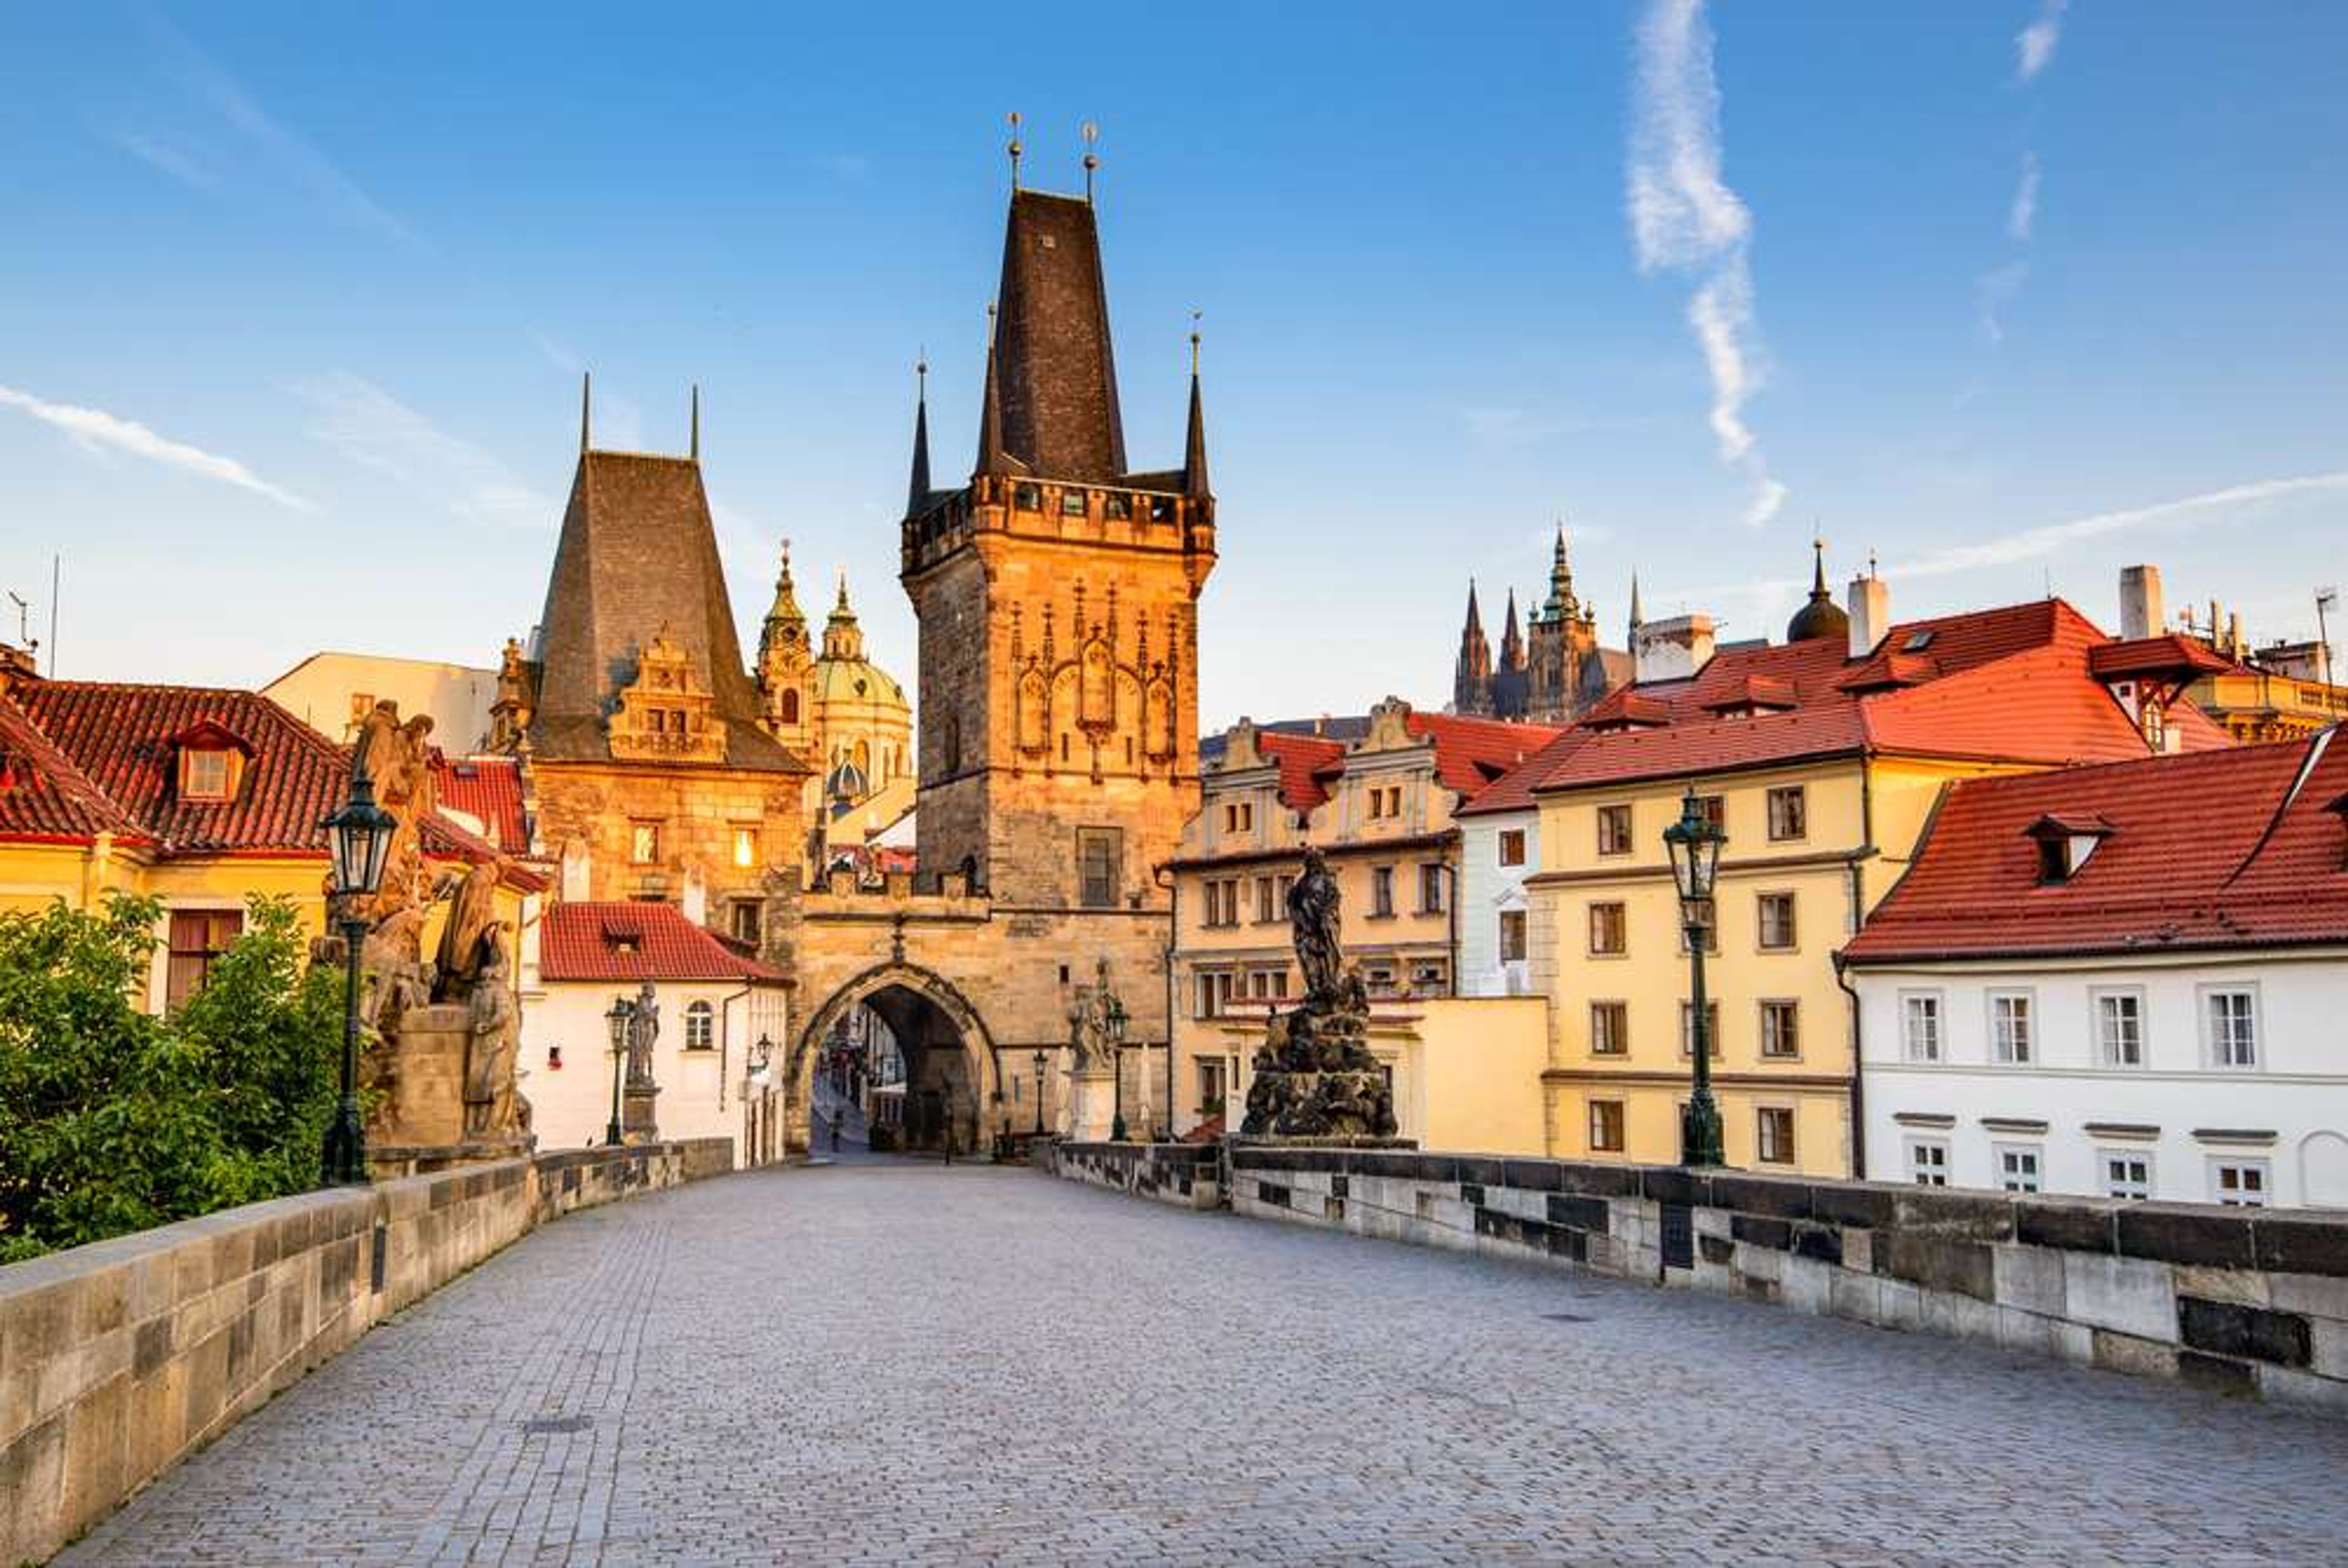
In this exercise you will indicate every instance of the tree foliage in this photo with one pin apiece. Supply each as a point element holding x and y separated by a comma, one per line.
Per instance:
<point>114,1120</point>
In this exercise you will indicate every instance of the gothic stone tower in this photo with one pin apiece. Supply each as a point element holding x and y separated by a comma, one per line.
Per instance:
<point>1056,593</point>
<point>1471,677</point>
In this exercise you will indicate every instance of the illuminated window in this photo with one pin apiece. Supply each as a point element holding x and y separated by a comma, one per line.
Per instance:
<point>204,775</point>
<point>745,846</point>
<point>643,843</point>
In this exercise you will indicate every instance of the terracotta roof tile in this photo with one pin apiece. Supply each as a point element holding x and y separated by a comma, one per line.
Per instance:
<point>2229,848</point>
<point>1472,754</point>
<point>632,942</point>
<point>487,790</point>
<point>1304,761</point>
<point>43,793</point>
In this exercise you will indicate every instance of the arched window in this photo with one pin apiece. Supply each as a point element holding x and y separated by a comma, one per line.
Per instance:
<point>864,759</point>
<point>791,706</point>
<point>700,1026</point>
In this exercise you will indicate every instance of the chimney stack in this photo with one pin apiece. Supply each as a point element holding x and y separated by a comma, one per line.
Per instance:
<point>1870,614</point>
<point>2141,614</point>
<point>1672,650</point>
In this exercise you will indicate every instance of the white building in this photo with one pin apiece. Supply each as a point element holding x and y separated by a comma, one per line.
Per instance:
<point>332,692</point>
<point>1500,846</point>
<point>2125,980</point>
<point>721,1016</point>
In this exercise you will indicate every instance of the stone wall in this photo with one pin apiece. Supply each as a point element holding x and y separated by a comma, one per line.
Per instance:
<point>2240,1301</point>
<point>1186,1175</point>
<point>119,1358</point>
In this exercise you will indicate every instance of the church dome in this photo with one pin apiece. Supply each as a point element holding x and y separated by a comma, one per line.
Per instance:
<point>1821,617</point>
<point>856,681</point>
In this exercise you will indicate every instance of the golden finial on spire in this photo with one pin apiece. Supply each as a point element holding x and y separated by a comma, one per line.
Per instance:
<point>1015,149</point>
<point>1092,138</point>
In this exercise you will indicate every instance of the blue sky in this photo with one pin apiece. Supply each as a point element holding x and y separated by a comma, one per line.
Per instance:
<point>294,300</point>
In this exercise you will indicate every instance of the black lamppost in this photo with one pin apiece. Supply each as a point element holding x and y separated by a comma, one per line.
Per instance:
<point>1694,846</point>
<point>1041,1058</point>
<point>623,1013</point>
<point>1115,1027</point>
<point>358,836</point>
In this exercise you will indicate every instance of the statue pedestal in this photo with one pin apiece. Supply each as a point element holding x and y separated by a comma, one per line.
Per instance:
<point>637,1122</point>
<point>1092,1104</point>
<point>422,1069</point>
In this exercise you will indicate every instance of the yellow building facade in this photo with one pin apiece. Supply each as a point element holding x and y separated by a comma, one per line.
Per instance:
<point>1822,762</point>
<point>1380,807</point>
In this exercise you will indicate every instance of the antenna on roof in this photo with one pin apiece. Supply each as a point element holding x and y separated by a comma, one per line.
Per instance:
<point>1092,136</point>
<point>586,399</point>
<point>1015,150</point>
<point>695,446</point>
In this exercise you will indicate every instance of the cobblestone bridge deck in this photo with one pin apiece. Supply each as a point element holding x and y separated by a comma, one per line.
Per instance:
<point>895,1362</point>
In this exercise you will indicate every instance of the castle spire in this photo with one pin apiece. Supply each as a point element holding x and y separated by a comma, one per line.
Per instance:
<point>586,408</point>
<point>1471,681</point>
<point>1512,641</point>
<point>1636,618</point>
<point>693,439</point>
<point>918,489</point>
<point>1194,454</point>
<point>1562,604</point>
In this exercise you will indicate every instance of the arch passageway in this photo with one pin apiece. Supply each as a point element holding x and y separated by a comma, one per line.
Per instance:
<point>905,1045</point>
<point>909,1362</point>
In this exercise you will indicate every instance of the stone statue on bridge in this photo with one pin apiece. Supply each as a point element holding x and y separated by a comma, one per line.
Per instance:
<point>1315,1077</point>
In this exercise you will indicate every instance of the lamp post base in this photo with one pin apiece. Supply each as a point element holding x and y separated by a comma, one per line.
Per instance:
<point>1700,1134</point>
<point>345,1164</point>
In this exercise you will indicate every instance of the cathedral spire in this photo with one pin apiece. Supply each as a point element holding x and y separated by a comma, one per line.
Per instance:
<point>1562,604</point>
<point>1194,454</point>
<point>918,490</point>
<point>1471,680</point>
<point>785,626</point>
<point>1636,618</point>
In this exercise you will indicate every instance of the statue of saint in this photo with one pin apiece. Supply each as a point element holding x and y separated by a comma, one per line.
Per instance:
<point>643,1033</point>
<point>492,1104</point>
<point>1312,902</point>
<point>1088,1023</point>
<point>472,914</point>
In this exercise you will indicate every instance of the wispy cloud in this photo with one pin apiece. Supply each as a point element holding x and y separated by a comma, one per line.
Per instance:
<point>1685,218</point>
<point>376,430</point>
<point>557,356</point>
<point>166,159</point>
<point>2233,505</point>
<point>2034,46</point>
<point>96,430</point>
<point>2022,217</point>
<point>278,144</point>
<point>1994,292</point>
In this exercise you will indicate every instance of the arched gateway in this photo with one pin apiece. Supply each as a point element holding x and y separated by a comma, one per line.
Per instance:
<point>951,1077</point>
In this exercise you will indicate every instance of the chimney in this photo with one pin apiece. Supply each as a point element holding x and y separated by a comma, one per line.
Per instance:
<point>2140,608</point>
<point>1870,614</point>
<point>1672,650</point>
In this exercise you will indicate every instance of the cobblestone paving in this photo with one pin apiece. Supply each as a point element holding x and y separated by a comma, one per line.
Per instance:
<point>900,1363</point>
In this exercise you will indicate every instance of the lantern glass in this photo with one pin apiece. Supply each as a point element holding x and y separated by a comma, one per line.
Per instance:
<point>1694,846</point>
<point>618,1018</point>
<point>359,838</point>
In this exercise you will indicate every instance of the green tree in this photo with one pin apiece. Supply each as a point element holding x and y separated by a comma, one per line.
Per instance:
<point>113,1119</point>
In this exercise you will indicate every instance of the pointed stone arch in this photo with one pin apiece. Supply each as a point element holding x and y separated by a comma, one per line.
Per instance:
<point>897,986</point>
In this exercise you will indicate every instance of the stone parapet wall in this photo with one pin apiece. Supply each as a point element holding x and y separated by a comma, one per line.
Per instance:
<point>1186,1175</point>
<point>119,1359</point>
<point>2240,1301</point>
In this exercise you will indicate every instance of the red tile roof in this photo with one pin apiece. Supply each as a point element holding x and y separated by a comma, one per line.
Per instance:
<point>1471,754</point>
<point>2222,849</point>
<point>2168,655</point>
<point>636,942</point>
<point>110,764</point>
<point>1304,761</point>
<point>2008,684</point>
<point>487,790</point>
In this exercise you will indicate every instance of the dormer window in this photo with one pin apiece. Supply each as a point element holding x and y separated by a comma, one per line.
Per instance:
<point>2066,845</point>
<point>211,762</point>
<point>1917,641</point>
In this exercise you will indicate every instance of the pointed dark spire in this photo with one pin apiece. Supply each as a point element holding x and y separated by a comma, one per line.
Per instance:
<point>991,456</point>
<point>1194,454</point>
<point>586,406</point>
<point>1635,619</point>
<point>1471,679</point>
<point>1818,569</point>
<point>918,489</point>
<point>695,448</point>
<point>1821,617</point>
<point>1512,641</point>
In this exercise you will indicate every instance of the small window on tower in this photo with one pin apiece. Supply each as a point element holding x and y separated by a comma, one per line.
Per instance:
<point>1071,502</point>
<point>1027,497</point>
<point>1117,508</point>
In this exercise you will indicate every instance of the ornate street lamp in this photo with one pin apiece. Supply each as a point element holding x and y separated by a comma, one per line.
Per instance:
<point>1694,846</point>
<point>623,1013</point>
<point>1041,1058</point>
<point>1115,1026</point>
<point>358,835</point>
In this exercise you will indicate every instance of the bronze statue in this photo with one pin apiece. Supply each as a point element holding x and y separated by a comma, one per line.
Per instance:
<point>1313,901</point>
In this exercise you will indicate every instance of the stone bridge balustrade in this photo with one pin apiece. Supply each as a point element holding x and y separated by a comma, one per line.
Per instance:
<point>2237,1300</point>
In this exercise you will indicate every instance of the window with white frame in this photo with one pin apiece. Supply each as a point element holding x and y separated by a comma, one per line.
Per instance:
<point>1928,1161</point>
<point>2239,1182</point>
<point>2018,1166</point>
<point>2011,1038</point>
<point>2119,1027</point>
<point>700,1026</point>
<point>2128,1172</point>
<point>2233,1024</point>
<point>1773,1135</point>
<point>1919,1026</point>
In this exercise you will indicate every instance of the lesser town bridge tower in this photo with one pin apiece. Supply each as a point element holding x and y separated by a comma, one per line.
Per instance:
<point>1056,593</point>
